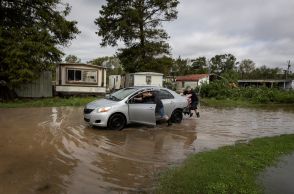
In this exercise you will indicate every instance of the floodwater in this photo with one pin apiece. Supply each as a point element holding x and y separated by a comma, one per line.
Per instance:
<point>52,150</point>
<point>279,178</point>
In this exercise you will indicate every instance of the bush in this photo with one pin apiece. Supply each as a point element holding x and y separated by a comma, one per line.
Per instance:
<point>221,90</point>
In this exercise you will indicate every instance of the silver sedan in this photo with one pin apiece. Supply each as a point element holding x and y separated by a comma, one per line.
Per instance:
<point>120,108</point>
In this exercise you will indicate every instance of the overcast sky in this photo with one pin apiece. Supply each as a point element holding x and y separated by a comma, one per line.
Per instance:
<point>261,30</point>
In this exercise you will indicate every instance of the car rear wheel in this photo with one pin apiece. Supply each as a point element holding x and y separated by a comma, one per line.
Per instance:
<point>177,116</point>
<point>116,122</point>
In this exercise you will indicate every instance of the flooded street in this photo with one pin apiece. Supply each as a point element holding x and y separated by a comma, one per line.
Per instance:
<point>52,150</point>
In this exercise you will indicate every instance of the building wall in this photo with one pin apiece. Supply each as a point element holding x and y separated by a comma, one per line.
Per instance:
<point>42,87</point>
<point>184,84</point>
<point>140,80</point>
<point>80,89</point>
<point>114,82</point>
<point>204,81</point>
<point>157,80</point>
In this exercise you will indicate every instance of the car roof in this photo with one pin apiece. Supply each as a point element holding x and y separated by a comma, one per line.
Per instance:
<point>145,87</point>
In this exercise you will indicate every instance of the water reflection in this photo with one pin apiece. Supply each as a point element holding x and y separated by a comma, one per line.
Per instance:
<point>51,150</point>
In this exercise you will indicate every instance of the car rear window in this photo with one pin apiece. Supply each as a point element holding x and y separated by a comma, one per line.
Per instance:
<point>164,94</point>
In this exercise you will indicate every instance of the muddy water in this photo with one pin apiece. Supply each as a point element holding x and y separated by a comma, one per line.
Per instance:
<point>51,150</point>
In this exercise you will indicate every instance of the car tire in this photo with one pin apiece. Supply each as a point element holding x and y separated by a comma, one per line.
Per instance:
<point>116,122</point>
<point>177,116</point>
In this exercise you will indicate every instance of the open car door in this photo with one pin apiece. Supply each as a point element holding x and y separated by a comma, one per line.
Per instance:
<point>142,112</point>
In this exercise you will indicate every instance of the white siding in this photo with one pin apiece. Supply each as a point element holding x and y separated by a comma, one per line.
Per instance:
<point>114,82</point>
<point>80,89</point>
<point>156,80</point>
<point>140,80</point>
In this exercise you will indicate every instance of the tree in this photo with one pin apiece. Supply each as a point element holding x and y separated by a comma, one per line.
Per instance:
<point>246,66</point>
<point>265,72</point>
<point>222,63</point>
<point>181,67</point>
<point>31,34</point>
<point>137,23</point>
<point>72,59</point>
<point>199,65</point>
<point>112,64</point>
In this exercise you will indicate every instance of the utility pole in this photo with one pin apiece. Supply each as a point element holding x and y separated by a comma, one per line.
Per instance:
<point>288,69</point>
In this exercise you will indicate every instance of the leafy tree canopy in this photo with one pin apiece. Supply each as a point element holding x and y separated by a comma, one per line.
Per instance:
<point>246,66</point>
<point>112,63</point>
<point>137,23</point>
<point>199,62</point>
<point>31,34</point>
<point>72,59</point>
<point>222,63</point>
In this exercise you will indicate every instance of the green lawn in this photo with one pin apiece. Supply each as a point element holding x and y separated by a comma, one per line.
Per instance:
<point>230,169</point>
<point>48,102</point>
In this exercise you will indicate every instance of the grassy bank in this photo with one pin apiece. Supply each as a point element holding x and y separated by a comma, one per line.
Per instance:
<point>48,102</point>
<point>230,169</point>
<point>239,103</point>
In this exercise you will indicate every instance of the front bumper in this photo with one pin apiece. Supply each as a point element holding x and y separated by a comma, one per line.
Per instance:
<point>97,119</point>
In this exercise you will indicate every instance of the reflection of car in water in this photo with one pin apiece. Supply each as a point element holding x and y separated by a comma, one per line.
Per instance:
<point>120,108</point>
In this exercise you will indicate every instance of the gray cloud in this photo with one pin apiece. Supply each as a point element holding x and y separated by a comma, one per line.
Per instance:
<point>261,30</point>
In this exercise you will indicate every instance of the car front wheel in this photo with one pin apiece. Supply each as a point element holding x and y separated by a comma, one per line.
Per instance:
<point>177,116</point>
<point>116,122</point>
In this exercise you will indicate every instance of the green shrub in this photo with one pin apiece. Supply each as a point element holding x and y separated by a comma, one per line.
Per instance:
<point>221,90</point>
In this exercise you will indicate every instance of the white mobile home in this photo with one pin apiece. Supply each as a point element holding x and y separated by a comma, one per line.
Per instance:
<point>144,79</point>
<point>80,79</point>
<point>115,82</point>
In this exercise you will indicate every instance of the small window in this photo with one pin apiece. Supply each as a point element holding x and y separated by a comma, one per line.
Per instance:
<point>78,75</point>
<point>74,75</point>
<point>71,75</point>
<point>89,76</point>
<point>148,80</point>
<point>164,94</point>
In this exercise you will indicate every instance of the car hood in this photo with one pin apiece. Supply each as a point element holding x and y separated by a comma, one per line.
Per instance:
<point>100,103</point>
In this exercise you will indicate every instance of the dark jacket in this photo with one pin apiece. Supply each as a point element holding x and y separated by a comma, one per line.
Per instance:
<point>194,98</point>
<point>157,101</point>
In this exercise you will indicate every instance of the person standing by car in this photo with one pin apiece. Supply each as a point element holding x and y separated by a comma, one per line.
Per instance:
<point>194,101</point>
<point>187,110</point>
<point>160,108</point>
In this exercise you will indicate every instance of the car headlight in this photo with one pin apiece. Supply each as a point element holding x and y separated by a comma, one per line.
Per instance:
<point>103,109</point>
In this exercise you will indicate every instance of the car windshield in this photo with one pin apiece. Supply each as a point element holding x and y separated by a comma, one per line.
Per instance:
<point>121,94</point>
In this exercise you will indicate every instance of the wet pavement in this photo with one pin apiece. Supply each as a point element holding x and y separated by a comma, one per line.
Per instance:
<point>51,150</point>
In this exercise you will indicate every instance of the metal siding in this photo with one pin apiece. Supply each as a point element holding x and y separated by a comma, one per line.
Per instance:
<point>42,87</point>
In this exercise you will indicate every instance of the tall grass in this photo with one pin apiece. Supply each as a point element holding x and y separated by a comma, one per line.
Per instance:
<point>221,90</point>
